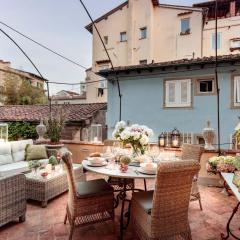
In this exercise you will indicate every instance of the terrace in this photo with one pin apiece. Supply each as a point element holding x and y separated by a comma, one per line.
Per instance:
<point>47,223</point>
<point>46,207</point>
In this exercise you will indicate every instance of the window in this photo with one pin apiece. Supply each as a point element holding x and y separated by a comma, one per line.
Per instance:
<point>142,62</point>
<point>103,83</point>
<point>39,85</point>
<point>235,44</point>
<point>178,93</point>
<point>185,26</point>
<point>205,86</point>
<point>105,38</point>
<point>143,33</point>
<point>123,36</point>
<point>236,94</point>
<point>219,40</point>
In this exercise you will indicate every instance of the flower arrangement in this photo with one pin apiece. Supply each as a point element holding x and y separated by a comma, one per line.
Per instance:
<point>136,135</point>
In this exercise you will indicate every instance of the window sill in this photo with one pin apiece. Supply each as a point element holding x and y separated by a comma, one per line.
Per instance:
<point>142,38</point>
<point>184,33</point>
<point>123,41</point>
<point>178,107</point>
<point>234,49</point>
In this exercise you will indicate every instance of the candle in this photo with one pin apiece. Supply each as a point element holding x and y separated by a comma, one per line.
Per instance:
<point>162,142</point>
<point>175,142</point>
<point>108,151</point>
<point>48,168</point>
<point>95,139</point>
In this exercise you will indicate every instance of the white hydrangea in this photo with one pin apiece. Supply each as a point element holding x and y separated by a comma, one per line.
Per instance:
<point>125,134</point>
<point>120,125</point>
<point>144,140</point>
<point>136,135</point>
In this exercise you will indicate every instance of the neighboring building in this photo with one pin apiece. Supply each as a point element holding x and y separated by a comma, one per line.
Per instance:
<point>6,70</point>
<point>79,117</point>
<point>146,31</point>
<point>68,97</point>
<point>180,94</point>
<point>228,36</point>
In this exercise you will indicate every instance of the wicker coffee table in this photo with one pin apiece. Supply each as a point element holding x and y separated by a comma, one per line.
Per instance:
<point>43,189</point>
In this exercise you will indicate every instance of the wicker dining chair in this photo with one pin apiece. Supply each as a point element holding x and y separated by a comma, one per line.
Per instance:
<point>163,213</point>
<point>88,202</point>
<point>194,152</point>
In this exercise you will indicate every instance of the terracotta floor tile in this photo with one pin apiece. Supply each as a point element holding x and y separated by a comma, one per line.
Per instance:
<point>47,223</point>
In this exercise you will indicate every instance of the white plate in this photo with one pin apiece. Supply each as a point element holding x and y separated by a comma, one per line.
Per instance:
<point>97,164</point>
<point>152,172</point>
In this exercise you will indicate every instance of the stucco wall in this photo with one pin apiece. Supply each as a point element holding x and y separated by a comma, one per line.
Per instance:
<point>142,102</point>
<point>228,27</point>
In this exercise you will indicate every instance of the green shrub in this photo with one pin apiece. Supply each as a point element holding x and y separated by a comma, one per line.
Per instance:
<point>21,130</point>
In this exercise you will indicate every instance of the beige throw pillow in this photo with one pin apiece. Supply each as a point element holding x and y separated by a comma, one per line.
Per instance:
<point>36,152</point>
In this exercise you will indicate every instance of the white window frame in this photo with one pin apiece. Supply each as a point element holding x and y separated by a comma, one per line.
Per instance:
<point>121,36</point>
<point>143,33</point>
<point>178,102</point>
<point>205,80</point>
<point>236,88</point>
<point>189,24</point>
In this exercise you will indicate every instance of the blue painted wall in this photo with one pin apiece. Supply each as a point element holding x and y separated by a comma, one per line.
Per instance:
<point>142,102</point>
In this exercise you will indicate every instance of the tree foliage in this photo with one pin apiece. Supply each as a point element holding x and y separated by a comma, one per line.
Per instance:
<point>19,91</point>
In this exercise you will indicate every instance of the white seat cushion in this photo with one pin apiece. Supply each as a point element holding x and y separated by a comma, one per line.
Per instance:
<point>13,168</point>
<point>5,153</point>
<point>18,149</point>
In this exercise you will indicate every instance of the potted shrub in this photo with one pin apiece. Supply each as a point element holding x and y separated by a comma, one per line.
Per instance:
<point>55,124</point>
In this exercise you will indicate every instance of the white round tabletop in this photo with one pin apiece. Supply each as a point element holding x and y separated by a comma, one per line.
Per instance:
<point>113,171</point>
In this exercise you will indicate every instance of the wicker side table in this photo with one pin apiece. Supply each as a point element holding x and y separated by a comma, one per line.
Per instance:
<point>43,189</point>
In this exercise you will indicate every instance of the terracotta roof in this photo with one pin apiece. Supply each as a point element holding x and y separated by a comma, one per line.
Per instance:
<point>175,63</point>
<point>32,113</point>
<point>209,3</point>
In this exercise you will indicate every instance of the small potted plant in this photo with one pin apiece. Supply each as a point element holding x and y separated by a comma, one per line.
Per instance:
<point>124,162</point>
<point>53,161</point>
<point>34,165</point>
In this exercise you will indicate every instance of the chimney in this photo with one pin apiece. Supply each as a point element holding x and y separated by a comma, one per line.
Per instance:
<point>233,8</point>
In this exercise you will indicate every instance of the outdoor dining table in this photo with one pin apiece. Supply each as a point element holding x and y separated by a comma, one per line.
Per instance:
<point>111,170</point>
<point>228,178</point>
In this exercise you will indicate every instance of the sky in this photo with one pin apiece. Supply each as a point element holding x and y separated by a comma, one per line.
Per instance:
<point>59,24</point>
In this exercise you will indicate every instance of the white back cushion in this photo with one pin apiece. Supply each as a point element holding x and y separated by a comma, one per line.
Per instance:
<point>5,153</point>
<point>18,149</point>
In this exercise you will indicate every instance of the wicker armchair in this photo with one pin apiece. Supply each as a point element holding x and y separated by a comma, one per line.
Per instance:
<point>163,213</point>
<point>12,198</point>
<point>193,152</point>
<point>88,202</point>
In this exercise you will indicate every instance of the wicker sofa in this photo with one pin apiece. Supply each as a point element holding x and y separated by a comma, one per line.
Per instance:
<point>12,198</point>
<point>12,157</point>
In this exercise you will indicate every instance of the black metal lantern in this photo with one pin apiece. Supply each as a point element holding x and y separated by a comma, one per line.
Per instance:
<point>161,140</point>
<point>175,138</point>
